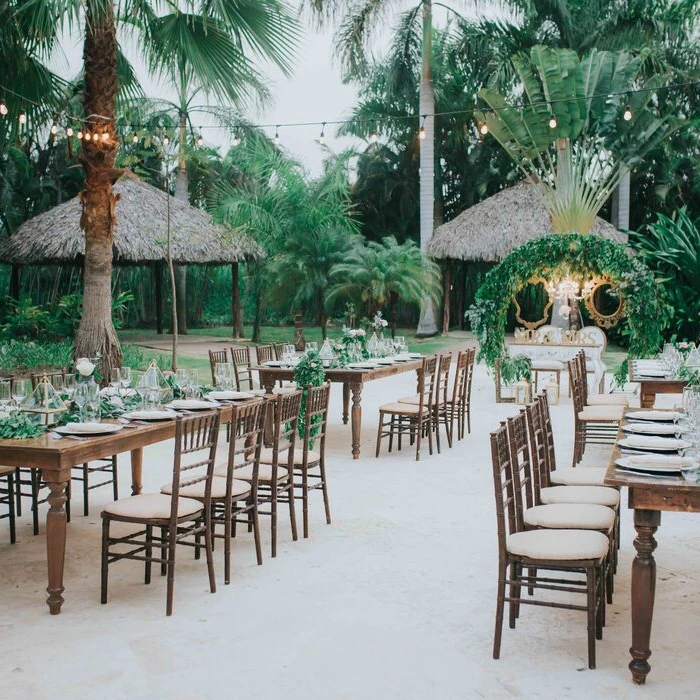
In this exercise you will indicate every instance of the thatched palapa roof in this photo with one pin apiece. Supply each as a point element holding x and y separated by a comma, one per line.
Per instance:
<point>140,234</point>
<point>491,229</point>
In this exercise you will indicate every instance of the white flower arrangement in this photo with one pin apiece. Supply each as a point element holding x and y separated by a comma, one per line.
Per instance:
<point>84,367</point>
<point>379,323</point>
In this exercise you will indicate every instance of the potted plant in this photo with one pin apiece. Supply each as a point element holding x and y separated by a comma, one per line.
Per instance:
<point>513,371</point>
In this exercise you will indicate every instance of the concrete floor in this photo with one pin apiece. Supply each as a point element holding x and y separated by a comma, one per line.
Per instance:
<point>394,600</point>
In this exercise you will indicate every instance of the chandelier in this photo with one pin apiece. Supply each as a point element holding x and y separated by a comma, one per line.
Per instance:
<point>567,291</point>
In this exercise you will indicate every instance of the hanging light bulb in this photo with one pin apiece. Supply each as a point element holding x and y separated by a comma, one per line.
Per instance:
<point>235,140</point>
<point>552,122</point>
<point>105,135</point>
<point>277,135</point>
<point>627,114</point>
<point>80,134</point>
<point>69,132</point>
<point>22,117</point>
<point>483,128</point>
<point>3,108</point>
<point>200,140</point>
<point>166,140</point>
<point>421,131</point>
<point>322,135</point>
<point>54,129</point>
<point>95,137</point>
<point>135,138</point>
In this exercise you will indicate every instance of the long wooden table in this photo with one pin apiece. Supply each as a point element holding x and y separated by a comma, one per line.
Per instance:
<point>648,496</point>
<point>649,387</point>
<point>56,458</point>
<point>353,381</point>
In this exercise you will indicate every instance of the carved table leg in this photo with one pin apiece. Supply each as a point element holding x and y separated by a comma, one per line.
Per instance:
<point>356,418</point>
<point>136,471</point>
<point>346,402</point>
<point>56,544</point>
<point>643,590</point>
<point>646,397</point>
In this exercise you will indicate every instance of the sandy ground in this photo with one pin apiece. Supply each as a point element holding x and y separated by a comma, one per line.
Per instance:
<point>395,599</point>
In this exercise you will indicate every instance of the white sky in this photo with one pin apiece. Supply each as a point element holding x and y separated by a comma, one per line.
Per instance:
<point>314,93</point>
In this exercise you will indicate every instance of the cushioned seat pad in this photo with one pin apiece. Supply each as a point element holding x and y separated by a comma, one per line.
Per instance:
<point>578,516</point>
<point>601,413</point>
<point>246,473</point>
<point>282,457</point>
<point>547,365</point>
<point>578,476</point>
<point>218,488</point>
<point>151,506</point>
<point>560,545</point>
<point>397,407</point>
<point>608,400</point>
<point>602,495</point>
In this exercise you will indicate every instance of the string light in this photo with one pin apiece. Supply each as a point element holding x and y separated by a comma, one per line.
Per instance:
<point>421,131</point>
<point>552,122</point>
<point>80,134</point>
<point>235,140</point>
<point>95,137</point>
<point>627,115</point>
<point>166,140</point>
<point>105,135</point>
<point>483,128</point>
<point>200,140</point>
<point>277,135</point>
<point>22,117</point>
<point>322,135</point>
<point>69,132</point>
<point>3,108</point>
<point>135,138</point>
<point>54,129</point>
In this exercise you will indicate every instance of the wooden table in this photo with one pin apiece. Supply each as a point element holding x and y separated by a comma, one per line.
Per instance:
<point>648,496</point>
<point>353,381</point>
<point>56,458</point>
<point>649,387</point>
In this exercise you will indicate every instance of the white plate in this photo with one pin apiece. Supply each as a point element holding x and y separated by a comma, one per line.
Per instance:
<point>648,473</point>
<point>415,355</point>
<point>164,414</point>
<point>652,466</point>
<point>88,428</point>
<point>386,361</point>
<point>650,428</point>
<point>273,363</point>
<point>662,374</point>
<point>192,404</point>
<point>662,445</point>
<point>230,395</point>
<point>362,365</point>
<point>111,391</point>
<point>653,415</point>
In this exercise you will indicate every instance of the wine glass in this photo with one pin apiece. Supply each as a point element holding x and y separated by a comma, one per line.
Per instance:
<point>311,346</point>
<point>57,383</point>
<point>193,384</point>
<point>69,385</point>
<point>221,373</point>
<point>125,378</point>
<point>81,396</point>
<point>115,379</point>
<point>5,393</point>
<point>20,389</point>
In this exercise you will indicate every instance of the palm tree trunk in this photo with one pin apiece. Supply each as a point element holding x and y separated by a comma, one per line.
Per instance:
<point>393,298</point>
<point>621,201</point>
<point>236,316</point>
<point>96,335</point>
<point>182,195</point>
<point>427,325</point>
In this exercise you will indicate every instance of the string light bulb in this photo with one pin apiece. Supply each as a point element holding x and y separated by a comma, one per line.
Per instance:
<point>80,134</point>
<point>22,117</point>
<point>235,140</point>
<point>483,128</point>
<point>421,131</point>
<point>374,136</point>
<point>3,108</point>
<point>135,138</point>
<point>200,140</point>
<point>627,114</point>
<point>277,135</point>
<point>69,131</point>
<point>166,140</point>
<point>105,135</point>
<point>322,135</point>
<point>54,129</point>
<point>95,137</point>
<point>552,122</point>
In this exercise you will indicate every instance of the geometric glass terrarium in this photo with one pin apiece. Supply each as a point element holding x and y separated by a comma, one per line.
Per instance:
<point>44,406</point>
<point>154,387</point>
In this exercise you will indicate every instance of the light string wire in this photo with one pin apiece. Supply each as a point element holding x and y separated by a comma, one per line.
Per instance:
<point>374,121</point>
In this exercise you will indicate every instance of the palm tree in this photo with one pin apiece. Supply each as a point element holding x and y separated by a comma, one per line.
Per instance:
<point>377,274</point>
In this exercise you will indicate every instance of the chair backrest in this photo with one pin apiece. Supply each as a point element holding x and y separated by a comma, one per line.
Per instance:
<point>285,420</point>
<point>442,379</point>
<point>196,437</point>
<point>504,487</point>
<point>215,357</point>
<point>245,440</point>
<point>315,420</point>
<point>546,418</point>
<point>522,462</point>
<point>265,353</point>
<point>240,357</point>
<point>462,387</point>
<point>577,387</point>
<point>279,349</point>
<point>426,383</point>
<point>538,450</point>
<point>583,374</point>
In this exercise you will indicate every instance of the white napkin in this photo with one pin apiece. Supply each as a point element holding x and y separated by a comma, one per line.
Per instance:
<point>652,428</point>
<point>659,461</point>
<point>653,415</point>
<point>651,441</point>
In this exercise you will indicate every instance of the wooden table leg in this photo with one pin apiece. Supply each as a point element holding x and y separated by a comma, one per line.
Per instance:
<point>643,590</point>
<point>356,418</point>
<point>56,543</point>
<point>346,402</point>
<point>646,397</point>
<point>136,471</point>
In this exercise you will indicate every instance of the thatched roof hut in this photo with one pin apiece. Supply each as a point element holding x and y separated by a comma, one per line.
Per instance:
<point>140,234</point>
<point>491,229</point>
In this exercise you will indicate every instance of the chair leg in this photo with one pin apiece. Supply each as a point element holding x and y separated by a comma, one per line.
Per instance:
<point>86,509</point>
<point>115,478</point>
<point>228,516</point>
<point>209,549</point>
<point>256,534</point>
<point>273,521</point>
<point>18,492</point>
<point>149,554</point>
<point>324,489</point>
<point>305,501</point>
<point>172,543</point>
<point>289,488</point>
<point>163,551</point>
<point>11,505</point>
<point>35,481</point>
<point>379,434</point>
<point>514,608</point>
<point>500,603</point>
<point>105,558</point>
<point>591,609</point>
<point>436,424</point>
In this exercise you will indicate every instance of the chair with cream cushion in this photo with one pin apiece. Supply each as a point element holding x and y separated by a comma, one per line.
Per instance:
<point>592,399</point>
<point>180,519</point>
<point>545,553</point>
<point>7,497</point>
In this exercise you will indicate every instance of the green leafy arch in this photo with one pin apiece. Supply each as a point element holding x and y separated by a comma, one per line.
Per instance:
<point>578,255</point>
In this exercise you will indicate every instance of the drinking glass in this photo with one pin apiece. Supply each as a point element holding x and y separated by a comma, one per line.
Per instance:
<point>57,382</point>
<point>91,408</point>
<point>125,378</point>
<point>220,373</point>
<point>288,352</point>
<point>312,346</point>
<point>181,377</point>
<point>69,385</point>
<point>20,389</point>
<point>5,394</point>
<point>81,396</point>
<point>400,343</point>
<point>115,379</point>
<point>193,384</point>
<point>141,387</point>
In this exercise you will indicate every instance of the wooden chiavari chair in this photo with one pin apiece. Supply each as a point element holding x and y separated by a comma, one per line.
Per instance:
<point>180,519</point>
<point>7,498</point>
<point>240,358</point>
<point>216,357</point>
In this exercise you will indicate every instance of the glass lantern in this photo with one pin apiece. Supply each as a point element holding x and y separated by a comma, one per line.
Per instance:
<point>44,406</point>
<point>326,354</point>
<point>154,387</point>
<point>552,390</point>
<point>373,345</point>
<point>523,394</point>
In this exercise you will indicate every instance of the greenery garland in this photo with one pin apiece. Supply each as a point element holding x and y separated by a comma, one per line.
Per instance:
<point>578,255</point>
<point>308,372</point>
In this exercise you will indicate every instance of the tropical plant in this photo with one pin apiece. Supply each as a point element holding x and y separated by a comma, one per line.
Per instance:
<point>570,135</point>
<point>670,246</point>
<point>380,274</point>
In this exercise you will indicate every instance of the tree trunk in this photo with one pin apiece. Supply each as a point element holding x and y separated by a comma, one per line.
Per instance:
<point>182,186</point>
<point>96,335</point>
<point>258,315</point>
<point>158,275</point>
<point>322,316</point>
<point>299,340</point>
<point>393,298</point>
<point>236,316</point>
<point>427,325</point>
<point>447,274</point>
<point>15,282</point>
